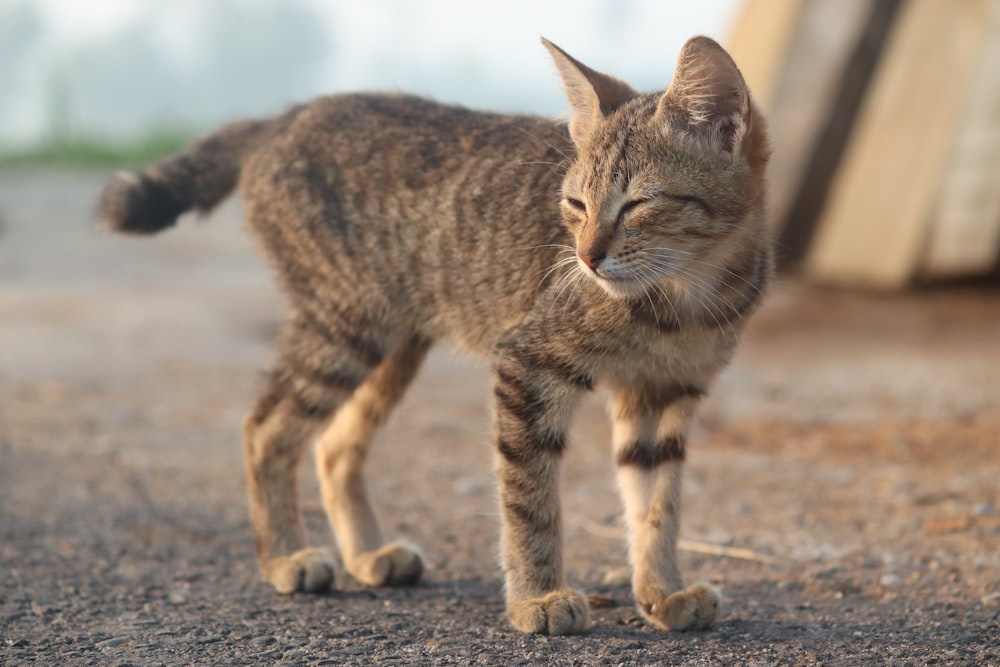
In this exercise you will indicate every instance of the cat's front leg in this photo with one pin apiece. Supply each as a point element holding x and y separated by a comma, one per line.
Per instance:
<point>532,404</point>
<point>650,430</point>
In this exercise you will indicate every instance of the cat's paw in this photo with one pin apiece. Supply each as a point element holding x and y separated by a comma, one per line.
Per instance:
<point>305,571</point>
<point>694,608</point>
<point>561,612</point>
<point>396,564</point>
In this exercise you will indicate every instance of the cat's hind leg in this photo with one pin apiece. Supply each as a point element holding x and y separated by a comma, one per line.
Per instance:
<point>317,372</point>
<point>650,427</point>
<point>340,455</point>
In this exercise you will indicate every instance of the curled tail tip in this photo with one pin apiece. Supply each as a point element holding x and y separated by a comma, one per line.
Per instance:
<point>133,204</point>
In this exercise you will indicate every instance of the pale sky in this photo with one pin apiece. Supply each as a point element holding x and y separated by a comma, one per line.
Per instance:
<point>481,54</point>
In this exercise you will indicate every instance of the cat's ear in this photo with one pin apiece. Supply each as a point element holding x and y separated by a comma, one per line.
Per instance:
<point>710,94</point>
<point>592,95</point>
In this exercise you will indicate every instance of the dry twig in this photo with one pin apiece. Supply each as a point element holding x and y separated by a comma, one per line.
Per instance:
<point>613,533</point>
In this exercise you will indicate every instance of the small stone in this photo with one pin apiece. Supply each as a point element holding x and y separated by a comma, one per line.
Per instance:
<point>178,595</point>
<point>891,580</point>
<point>991,600</point>
<point>621,576</point>
<point>263,640</point>
<point>984,509</point>
<point>601,601</point>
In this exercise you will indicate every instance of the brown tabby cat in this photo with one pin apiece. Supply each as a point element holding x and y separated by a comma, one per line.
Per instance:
<point>628,250</point>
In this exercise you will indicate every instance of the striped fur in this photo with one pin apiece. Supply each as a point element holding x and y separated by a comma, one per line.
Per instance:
<point>626,250</point>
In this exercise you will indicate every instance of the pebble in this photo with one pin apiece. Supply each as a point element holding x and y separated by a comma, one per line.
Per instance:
<point>891,580</point>
<point>178,596</point>
<point>991,600</point>
<point>262,640</point>
<point>984,509</point>
<point>621,576</point>
<point>112,643</point>
<point>870,562</point>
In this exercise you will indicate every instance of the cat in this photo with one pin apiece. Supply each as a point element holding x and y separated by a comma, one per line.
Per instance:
<point>626,247</point>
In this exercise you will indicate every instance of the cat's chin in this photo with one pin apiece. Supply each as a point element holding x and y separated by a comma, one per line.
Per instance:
<point>620,288</point>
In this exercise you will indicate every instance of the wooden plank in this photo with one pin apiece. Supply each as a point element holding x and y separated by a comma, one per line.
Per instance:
<point>809,186</point>
<point>876,221</point>
<point>806,91</point>
<point>759,41</point>
<point>965,238</point>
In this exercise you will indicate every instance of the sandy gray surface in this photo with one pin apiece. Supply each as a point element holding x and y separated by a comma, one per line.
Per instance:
<point>854,446</point>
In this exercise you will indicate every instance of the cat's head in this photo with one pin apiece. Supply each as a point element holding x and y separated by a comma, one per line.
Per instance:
<point>665,187</point>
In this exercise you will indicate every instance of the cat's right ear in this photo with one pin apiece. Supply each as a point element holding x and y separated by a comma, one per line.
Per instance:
<point>710,94</point>
<point>592,95</point>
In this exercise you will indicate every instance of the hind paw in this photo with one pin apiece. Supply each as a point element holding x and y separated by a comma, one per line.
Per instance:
<point>396,564</point>
<point>305,571</point>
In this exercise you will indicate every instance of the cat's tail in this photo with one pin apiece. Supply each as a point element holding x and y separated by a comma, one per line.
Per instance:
<point>200,177</point>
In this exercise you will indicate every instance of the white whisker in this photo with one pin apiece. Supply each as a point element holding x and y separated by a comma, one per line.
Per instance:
<point>704,294</point>
<point>556,266</point>
<point>561,152</point>
<point>562,246</point>
<point>528,163</point>
<point>715,267</point>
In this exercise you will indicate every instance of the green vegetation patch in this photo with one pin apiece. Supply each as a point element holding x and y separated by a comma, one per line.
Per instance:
<point>85,153</point>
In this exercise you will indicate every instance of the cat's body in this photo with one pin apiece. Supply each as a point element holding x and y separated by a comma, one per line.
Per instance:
<point>626,251</point>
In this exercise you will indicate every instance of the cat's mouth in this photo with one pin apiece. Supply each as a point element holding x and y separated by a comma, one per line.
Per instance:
<point>616,284</point>
<point>627,281</point>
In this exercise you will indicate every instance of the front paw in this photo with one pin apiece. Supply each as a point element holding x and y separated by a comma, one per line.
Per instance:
<point>396,564</point>
<point>306,571</point>
<point>561,612</point>
<point>695,608</point>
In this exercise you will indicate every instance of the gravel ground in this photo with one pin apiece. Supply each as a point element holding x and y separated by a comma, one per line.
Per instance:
<point>852,451</point>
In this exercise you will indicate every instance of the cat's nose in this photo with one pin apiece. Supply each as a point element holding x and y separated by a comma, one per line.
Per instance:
<point>592,257</point>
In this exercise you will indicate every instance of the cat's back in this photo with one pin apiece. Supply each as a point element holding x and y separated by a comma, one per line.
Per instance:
<point>438,207</point>
<point>407,137</point>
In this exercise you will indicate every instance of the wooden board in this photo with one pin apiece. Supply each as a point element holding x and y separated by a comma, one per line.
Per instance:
<point>965,236</point>
<point>760,38</point>
<point>805,92</point>
<point>876,222</point>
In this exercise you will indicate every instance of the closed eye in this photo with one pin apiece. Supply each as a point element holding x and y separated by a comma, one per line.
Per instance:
<point>576,204</point>
<point>629,207</point>
<point>691,199</point>
<point>632,204</point>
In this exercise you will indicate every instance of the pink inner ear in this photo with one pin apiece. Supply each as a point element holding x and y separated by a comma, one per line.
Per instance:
<point>591,94</point>
<point>710,90</point>
<point>711,97</point>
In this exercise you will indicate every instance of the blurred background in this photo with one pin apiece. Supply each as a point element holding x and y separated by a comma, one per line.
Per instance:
<point>886,115</point>
<point>119,71</point>
<point>854,441</point>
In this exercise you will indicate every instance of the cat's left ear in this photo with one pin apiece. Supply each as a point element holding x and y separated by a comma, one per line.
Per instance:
<point>592,95</point>
<point>711,96</point>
